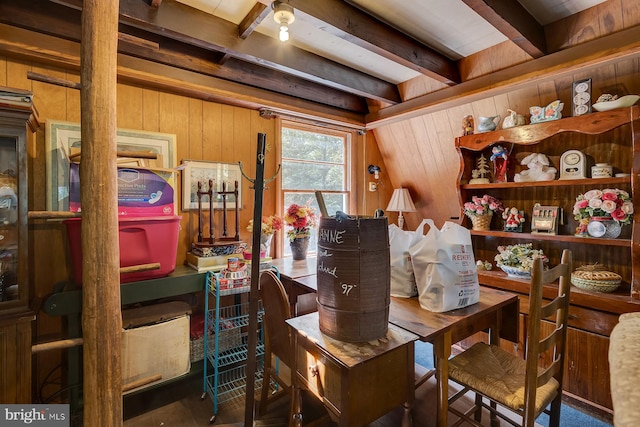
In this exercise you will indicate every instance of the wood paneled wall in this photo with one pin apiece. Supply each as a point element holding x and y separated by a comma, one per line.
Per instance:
<point>420,153</point>
<point>204,130</point>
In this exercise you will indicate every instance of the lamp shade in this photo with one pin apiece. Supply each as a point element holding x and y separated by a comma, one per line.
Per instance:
<point>401,201</point>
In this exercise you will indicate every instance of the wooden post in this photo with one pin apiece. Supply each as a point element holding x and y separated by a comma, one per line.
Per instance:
<point>101,317</point>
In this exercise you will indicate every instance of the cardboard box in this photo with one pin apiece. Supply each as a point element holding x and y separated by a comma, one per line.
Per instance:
<point>141,191</point>
<point>161,348</point>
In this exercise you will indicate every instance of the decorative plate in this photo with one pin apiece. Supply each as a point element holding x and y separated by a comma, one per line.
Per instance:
<point>624,101</point>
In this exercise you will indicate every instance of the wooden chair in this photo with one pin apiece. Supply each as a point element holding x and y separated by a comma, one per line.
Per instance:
<point>520,385</point>
<point>278,340</point>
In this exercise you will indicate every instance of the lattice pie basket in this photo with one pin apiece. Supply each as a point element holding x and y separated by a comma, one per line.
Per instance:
<point>595,278</point>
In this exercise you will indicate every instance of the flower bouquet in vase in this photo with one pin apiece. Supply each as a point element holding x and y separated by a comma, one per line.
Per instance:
<point>270,224</point>
<point>602,213</point>
<point>480,211</point>
<point>517,260</point>
<point>301,219</point>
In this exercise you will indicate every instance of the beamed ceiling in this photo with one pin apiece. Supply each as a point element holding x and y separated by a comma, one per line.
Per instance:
<point>354,56</point>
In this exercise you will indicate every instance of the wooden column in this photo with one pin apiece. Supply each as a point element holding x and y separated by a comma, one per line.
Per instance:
<point>101,318</point>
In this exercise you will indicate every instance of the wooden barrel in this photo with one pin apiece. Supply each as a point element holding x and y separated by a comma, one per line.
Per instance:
<point>354,273</point>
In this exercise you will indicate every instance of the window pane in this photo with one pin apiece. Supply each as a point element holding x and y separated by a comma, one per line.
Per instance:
<point>334,202</point>
<point>315,176</point>
<point>308,199</point>
<point>301,145</point>
<point>313,161</point>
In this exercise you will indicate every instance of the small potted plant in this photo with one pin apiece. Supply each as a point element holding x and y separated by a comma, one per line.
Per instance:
<point>602,213</point>
<point>480,210</point>
<point>517,260</point>
<point>300,219</point>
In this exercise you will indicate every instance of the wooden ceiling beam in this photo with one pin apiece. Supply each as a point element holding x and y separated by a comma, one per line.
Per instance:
<point>189,25</point>
<point>582,58</point>
<point>248,24</point>
<point>255,16</point>
<point>45,49</point>
<point>45,17</point>
<point>343,19</point>
<point>513,20</point>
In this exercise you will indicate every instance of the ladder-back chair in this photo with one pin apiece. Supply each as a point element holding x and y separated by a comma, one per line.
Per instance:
<point>521,385</point>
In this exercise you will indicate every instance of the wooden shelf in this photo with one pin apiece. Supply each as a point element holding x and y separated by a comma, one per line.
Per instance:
<point>555,237</point>
<point>556,183</point>
<point>617,302</point>
<point>591,124</point>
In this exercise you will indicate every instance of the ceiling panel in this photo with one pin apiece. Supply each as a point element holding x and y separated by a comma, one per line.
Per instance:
<point>450,27</point>
<point>548,11</point>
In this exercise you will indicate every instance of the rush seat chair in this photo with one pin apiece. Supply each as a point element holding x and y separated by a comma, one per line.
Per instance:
<point>521,385</point>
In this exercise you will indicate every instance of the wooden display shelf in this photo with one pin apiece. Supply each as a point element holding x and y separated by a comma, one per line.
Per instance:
<point>555,237</point>
<point>617,302</point>
<point>554,183</point>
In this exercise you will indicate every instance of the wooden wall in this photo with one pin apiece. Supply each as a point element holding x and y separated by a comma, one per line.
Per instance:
<point>420,153</point>
<point>204,130</point>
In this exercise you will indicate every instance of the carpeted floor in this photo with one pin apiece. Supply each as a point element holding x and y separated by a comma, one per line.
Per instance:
<point>569,417</point>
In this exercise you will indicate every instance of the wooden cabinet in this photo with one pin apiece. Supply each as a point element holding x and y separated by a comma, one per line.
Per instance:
<point>358,383</point>
<point>606,137</point>
<point>16,119</point>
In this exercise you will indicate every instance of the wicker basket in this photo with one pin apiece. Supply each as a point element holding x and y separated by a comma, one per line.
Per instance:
<point>228,340</point>
<point>595,278</point>
<point>481,222</point>
<point>595,285</point>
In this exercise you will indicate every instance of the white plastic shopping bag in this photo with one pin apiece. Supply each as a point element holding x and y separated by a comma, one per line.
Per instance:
<point>445,268</point>
<point>403,281</point>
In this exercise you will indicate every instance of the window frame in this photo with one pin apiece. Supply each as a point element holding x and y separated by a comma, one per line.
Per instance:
<point>349,165</point>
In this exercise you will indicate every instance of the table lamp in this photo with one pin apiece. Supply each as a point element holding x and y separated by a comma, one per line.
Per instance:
<point>401,202</point>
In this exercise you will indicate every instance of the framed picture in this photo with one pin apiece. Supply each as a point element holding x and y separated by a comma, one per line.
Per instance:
<point>581,97</point>
<point>202,171</point>
<point>63,143</point>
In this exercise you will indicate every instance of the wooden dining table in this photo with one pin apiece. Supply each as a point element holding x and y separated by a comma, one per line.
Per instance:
<point>496,312</point>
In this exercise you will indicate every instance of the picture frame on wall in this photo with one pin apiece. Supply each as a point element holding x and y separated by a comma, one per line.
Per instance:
<point>581,97</point>
<point>194,171</point>
<point>63,143</point>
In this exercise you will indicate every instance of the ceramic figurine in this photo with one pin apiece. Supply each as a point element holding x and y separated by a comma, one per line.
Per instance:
<point>552,111</point>
<point>487,124</point>
<point>467,125</point>
<point>512,120</point>
<point>539,169</point>
<point>500,159</point>
<point>513,219</point>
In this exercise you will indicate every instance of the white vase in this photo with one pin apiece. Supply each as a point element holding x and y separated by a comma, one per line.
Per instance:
<point>265,244</point>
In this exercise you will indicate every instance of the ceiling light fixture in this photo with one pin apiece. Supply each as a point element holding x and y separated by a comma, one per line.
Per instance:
<point>283,15</point>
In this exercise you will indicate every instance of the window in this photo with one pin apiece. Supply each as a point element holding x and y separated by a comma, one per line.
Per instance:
<point>313,159</point>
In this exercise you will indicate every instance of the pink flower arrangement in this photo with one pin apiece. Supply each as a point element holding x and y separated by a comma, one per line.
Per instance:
<point>301,219</point>
<point>270,224</point>
<point>484,205</point>
<point>609,202</point>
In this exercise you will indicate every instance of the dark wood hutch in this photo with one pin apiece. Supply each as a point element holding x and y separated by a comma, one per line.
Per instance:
<point>18,120</point>
<point>611,136</point>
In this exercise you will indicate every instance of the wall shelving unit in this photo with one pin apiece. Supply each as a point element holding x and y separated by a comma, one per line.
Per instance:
<point>612,137</point>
